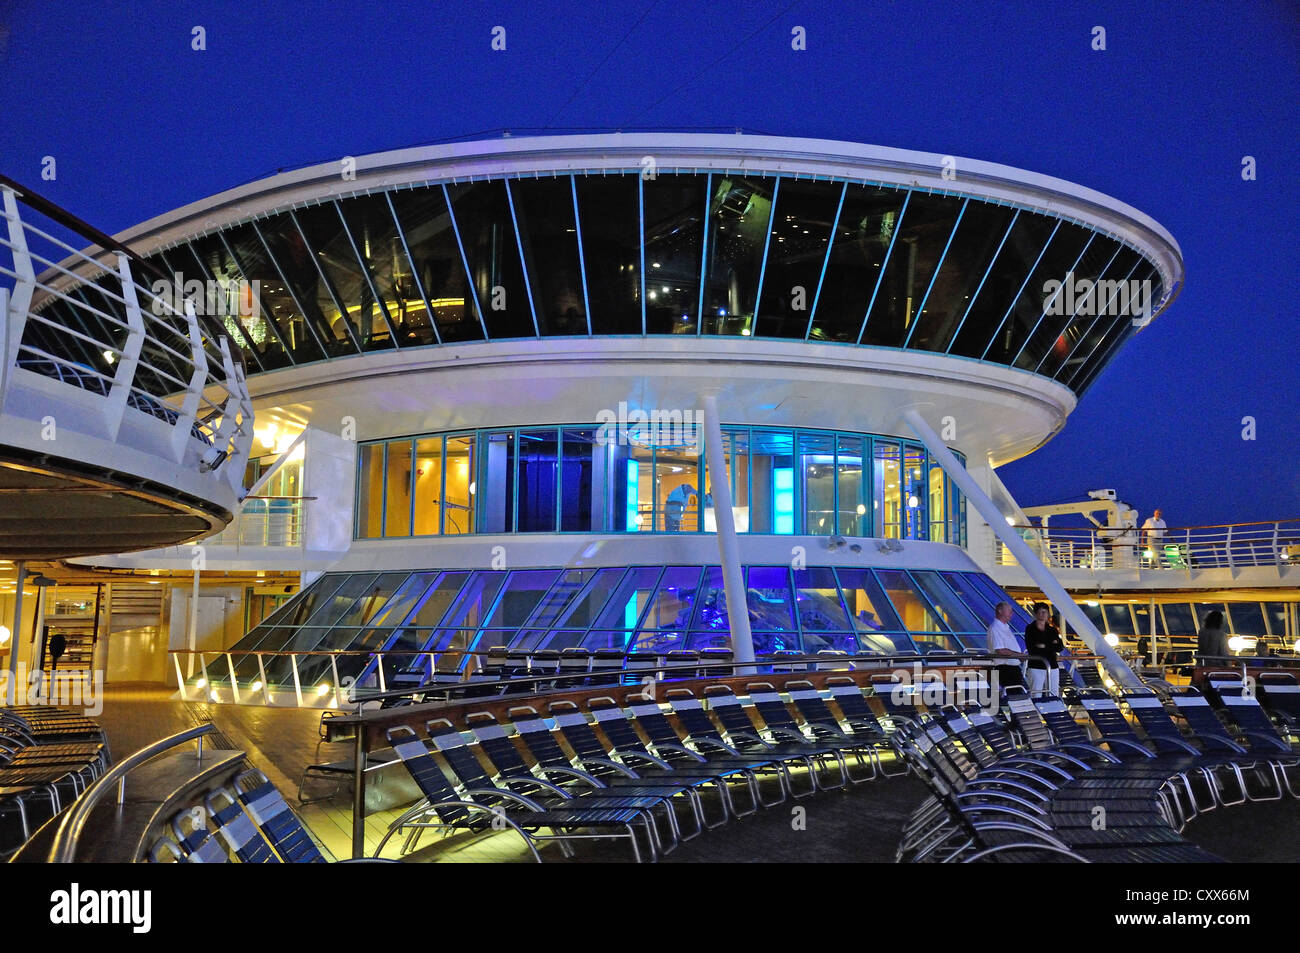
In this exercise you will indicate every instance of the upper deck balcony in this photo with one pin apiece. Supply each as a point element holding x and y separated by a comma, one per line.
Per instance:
<point>125,422</point>
<point>1228,555</point>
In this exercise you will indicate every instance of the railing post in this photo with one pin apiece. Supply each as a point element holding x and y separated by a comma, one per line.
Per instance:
<point>1277,552</point>
<point>180,679</point>
<point>207,682</point>
<point>297,685</point>
<point>120,391</point>
<point>183,432</point>
<point>334,668</point>
<point>19,303</point>
<point>234,682</point>
<point>1231,563</point>
<point>379,667</point>
<point>261,674</point>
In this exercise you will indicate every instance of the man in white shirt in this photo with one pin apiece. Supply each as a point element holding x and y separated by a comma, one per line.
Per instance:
<point>1153,533</point>
<point>1004,645</point>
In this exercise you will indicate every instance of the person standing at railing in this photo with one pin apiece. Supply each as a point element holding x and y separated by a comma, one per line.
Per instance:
<point>1003,644</point>
<point>1153,537</point>
<point>1044,645</point>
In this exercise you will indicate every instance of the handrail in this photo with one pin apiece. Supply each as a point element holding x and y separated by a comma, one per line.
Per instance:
<point>1168,529</point>
<point>64,848</point>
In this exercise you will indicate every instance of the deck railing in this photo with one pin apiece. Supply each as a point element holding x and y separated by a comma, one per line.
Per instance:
<point>91,320</point>
<point>1184,549</point>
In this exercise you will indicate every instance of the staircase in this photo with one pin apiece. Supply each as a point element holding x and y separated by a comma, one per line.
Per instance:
<point>126,605</point>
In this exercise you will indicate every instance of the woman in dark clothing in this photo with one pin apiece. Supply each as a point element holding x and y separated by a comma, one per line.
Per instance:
<point>1212,640</point>
<point>1043,644</point>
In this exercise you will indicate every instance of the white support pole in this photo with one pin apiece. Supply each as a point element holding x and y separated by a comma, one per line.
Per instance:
<point>742,639</point>
<point>192,633</point>
<point>1032,565</point>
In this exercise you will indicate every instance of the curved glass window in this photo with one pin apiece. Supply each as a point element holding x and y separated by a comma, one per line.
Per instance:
<point>438,268</point>
<point>485,221</point>
<point>739,222</point>
<point>567,479</point>
<point>802,221</point>
<point>548,231</point>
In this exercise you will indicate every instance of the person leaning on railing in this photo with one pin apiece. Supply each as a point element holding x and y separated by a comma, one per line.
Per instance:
<point>1005,647</point>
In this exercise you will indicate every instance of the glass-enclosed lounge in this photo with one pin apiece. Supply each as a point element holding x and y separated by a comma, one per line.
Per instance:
<point>718,253</point>
<point>574,479</point>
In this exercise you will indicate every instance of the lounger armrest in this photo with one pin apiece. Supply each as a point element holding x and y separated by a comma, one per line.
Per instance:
<point>1224,741</point>
<point>1039,826</point>
<point>609,765</point>
<point>1020,760</point>
<point>835,731</point>
<point>1182,743</point>
<point>1088,749</point>
<point>998,772</point>
<point>563,772</point>
<point>1002,796</point>
<point>530,782</point>
<point>747,736</point>
<point>502,795</point>
<point>981,783</point>
<point>1132,746</point>
<point>715,744</point>
<point>644,756</point>
<point>788,734</point>
<point>1270,740</point>
<point>676,749</point>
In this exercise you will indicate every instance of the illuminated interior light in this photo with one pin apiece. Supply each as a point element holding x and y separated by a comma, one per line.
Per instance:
<point>861,508</point>
<point>201,683</point>
<point>110,357</point>
<point>4,634</point>
<point>1011,521</point>
<point>1238,643</point>
<point>256,686</point>
<point>1112,639</point>
<point>322,690</point>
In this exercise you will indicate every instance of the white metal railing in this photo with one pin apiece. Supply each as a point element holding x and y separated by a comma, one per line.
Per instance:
<point>1175,549</point>
<point>265,521</point>
<point>88,321</point>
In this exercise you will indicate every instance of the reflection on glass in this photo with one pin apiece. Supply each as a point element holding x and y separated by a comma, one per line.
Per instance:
<point>923,234</point>
<point>397,497</point>
<point>496,499</point>
<point>538,473</point>
<point>487,233</point>
<point>867,222</point>
<point>387,270</point>
<point>428,486</point>
<point>675,208</point>
<point>436,262</point>
<point>740,213</point>
<point>886,491</point>
<point>582,474</point>
<point>983,318</point>
<point>771,495</point>
<point>609,207</point>
<point>877,625</point>
<point>800,242</point>
<point>973,246</point>
<point>346,284</point>
<point>1061,306</point>
<point>817,482</point>
<point>1084,328</point>
<point>913,492</point>
<point>370,491</point>
<point>1059,256</point>
<point>852,517</point>
<point>938,505</point>
<point>549,235</point>
<point>461,486</point>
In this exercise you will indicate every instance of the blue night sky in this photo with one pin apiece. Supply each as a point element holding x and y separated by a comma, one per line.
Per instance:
<point>139,124</point>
